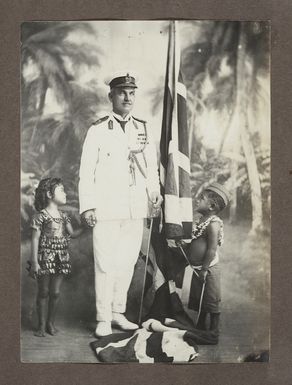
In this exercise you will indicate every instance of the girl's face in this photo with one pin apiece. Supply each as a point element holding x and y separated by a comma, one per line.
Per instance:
<point>59,196</point>
<point>203,203</point>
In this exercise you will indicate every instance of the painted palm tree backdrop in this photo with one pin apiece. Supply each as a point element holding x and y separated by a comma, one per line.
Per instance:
<point>231,82</point>
<point>226,70</point>
<point>56,106</point>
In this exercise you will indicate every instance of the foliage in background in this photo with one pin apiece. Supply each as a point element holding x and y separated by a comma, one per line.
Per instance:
<point>222,73</point>
<point>225,67</point>
<point>51,140</point>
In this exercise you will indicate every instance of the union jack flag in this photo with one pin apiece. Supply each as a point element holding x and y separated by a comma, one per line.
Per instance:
<point>174,147</point>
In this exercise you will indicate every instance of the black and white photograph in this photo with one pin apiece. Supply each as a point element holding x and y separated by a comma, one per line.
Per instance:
<point>145,191</point>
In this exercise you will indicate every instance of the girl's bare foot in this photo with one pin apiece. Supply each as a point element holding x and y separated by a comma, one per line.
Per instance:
<point>51,329</point>
<point>39,333</point>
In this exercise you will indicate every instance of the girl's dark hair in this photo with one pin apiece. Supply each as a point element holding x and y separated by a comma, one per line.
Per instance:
<point>217,200</point>
<point>45,186</point>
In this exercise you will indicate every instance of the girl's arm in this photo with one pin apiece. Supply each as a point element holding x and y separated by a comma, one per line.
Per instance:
<point>34,250</point>
<point>212,244</point>
<point>73,233</point>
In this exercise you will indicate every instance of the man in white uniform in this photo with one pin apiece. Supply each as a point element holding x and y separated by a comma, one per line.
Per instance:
<point>118,184</point>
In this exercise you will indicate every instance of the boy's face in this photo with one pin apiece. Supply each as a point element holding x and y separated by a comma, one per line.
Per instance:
<point>203,203</point>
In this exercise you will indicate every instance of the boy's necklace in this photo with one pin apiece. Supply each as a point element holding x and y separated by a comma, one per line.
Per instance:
<point>200,227</point>
<point>203,220</point>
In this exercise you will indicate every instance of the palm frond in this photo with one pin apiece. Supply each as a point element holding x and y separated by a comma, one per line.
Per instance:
<point>47,32</point>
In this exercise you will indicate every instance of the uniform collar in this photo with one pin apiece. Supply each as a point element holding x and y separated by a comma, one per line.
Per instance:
<point>126,119</point>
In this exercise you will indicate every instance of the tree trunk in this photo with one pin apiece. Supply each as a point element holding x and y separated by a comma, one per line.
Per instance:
<point>40,108</point>
<point>243,94</point>
<point>232,126</point>
<point>233,188</point>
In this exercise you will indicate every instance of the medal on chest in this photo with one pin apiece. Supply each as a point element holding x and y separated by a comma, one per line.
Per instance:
<point>134,163</point>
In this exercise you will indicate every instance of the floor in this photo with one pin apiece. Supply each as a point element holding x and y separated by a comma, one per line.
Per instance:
<point>242,333</point>
<point>244,319</point>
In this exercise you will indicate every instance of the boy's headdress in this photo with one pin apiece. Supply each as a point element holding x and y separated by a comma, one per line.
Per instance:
<point>221,191</point>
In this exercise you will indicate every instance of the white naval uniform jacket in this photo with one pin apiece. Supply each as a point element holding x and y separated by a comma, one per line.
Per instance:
<point>105,183</point>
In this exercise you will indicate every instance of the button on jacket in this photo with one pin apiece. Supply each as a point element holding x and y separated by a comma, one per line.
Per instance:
<point>106,182</point>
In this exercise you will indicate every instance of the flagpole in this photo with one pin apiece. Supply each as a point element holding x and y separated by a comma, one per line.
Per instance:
<point>201,300</point>
<point>145,272</point>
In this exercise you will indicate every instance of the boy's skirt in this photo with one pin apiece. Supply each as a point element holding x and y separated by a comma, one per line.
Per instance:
<point>212,293</point>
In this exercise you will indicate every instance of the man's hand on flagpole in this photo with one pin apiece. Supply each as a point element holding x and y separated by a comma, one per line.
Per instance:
<point>156,200</point>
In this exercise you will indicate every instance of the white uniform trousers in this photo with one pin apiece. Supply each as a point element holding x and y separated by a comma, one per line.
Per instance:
<point>116,246</point>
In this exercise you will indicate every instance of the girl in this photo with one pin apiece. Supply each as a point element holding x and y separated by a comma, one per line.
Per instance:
<point>50,261</point>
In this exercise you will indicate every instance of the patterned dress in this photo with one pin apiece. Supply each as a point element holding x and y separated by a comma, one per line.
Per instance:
<point>53,256</point>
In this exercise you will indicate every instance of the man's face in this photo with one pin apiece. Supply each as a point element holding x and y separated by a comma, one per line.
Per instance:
<point>123,99</point>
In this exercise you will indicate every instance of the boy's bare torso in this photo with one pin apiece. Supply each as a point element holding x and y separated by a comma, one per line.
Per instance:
<point>197,251</point>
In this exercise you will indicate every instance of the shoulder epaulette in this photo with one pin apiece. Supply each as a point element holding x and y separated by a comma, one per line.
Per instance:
<point>139,120</point>
<point>100,120</point>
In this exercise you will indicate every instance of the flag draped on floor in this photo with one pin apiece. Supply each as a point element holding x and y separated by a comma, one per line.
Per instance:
<point>147,346</point>
<point>174,147</point>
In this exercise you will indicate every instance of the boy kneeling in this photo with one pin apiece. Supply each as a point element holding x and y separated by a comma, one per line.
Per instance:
<point>207,235</point>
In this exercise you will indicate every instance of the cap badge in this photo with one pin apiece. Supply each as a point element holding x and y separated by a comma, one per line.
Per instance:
<point>128,78</point>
